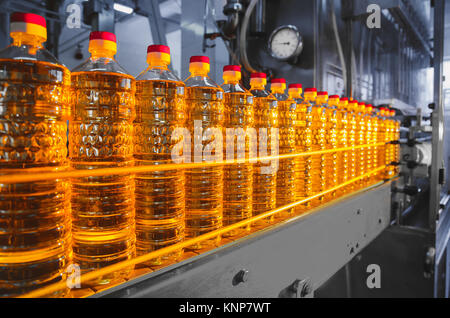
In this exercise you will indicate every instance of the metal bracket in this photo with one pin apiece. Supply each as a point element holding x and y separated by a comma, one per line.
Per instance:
<point>298,289</point>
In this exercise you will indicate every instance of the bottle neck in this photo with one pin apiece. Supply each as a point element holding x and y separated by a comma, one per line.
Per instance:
<point>257,86</point>
<point>21,38</point>
<point>310,97</point>
<point>230,81</point>
<point>277,90</point>
<point>197,73</point>
<point>158,64</point>
<point>97,54</point>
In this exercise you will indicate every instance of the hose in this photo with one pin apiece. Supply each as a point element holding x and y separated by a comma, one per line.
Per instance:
<point>338,44</point>
<point>243,37</point>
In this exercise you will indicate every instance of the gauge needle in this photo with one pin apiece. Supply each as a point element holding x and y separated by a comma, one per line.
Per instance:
<point>284,43</point>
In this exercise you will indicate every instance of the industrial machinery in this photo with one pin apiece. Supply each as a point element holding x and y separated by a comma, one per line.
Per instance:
<point>385,53</point>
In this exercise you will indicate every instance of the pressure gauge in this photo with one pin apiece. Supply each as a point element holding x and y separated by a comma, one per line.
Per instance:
<point>285,43</point>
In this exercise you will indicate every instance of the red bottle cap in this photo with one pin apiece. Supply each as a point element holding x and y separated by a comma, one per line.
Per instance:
<point>102,35</point>
<point>258,75</point>
<point>295,85</point>
<point>310,90</point>
<point>278,80</point>
<point>199,58</point>
<point>28,18</point>
<point>235,68</point>
<point>158,48</point>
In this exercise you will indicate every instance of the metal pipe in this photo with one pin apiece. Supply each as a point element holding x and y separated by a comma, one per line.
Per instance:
<point>339,45</point>
<point>243,37</point>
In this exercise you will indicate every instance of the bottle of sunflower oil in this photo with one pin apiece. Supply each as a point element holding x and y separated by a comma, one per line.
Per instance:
<point>331,159</point>
<point>204,186</point>
<point>286,169</point>
<point>264,175</point>
<point>343,156</point>
<point>382,150</point>
<point>238,178</point>
<point>368,122</point>
<point>159,195</point>
<point>396,138</point>
<point>360,141</point>
<point>35,217</point>
<point>352,135</point>
<point>318,126</point>
<point>374,141</point>
<point>101,136</point>
<point>389,145</point>
<point>303,143</point>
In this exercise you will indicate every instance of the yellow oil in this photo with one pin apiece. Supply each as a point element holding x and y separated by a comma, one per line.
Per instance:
<point>397,146</point>
<point>390,148</point>
<point>375,149</point>
<point>303,143</point>
<point>352,140</point>
<point>369,150</point>
<point>264,184</point>
<point>204,186</point>
<point>360,141</point>
<point>101,136</point>
<point>331,139</point>
<point>159,195</point>
<point>238,178</point>
<point>382,149</point>
<point>35,217</point>
<point>318,164</point>
<point>286,168</point>
<point>343,142</point>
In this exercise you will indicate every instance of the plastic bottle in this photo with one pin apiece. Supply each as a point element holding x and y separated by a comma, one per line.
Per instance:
<point>101,136</point>
<point>343,156</point>
<point>382,149</point>
<point>204,186</point>
<point>238,178</point>
<point>159,195</point>
<point>331,159</point>
<point>360,141</point>
<point>303,143</point>
<point>375,135</point>
<point>286,169</point>
<point>352,135</point>
<point>264,176</point>
<point>396,138</point>
<point>319,126</point>
<point>368,120</point>
<point>389,146</point>
<point>35,217</point>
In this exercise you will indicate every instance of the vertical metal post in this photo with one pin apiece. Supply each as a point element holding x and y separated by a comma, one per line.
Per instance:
<point>4,26</point>
<point>151,9</point>
<point>437,117</point>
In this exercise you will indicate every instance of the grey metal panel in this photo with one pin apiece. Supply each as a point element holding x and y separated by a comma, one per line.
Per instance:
<point>314,246</point>
<point>400,254</point>
<point>437,117</point>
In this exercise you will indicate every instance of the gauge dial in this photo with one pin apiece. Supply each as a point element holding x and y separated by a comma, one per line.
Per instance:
<point>285,43</point>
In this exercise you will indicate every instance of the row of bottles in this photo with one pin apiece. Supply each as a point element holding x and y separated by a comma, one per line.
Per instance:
<point>117,121</point>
